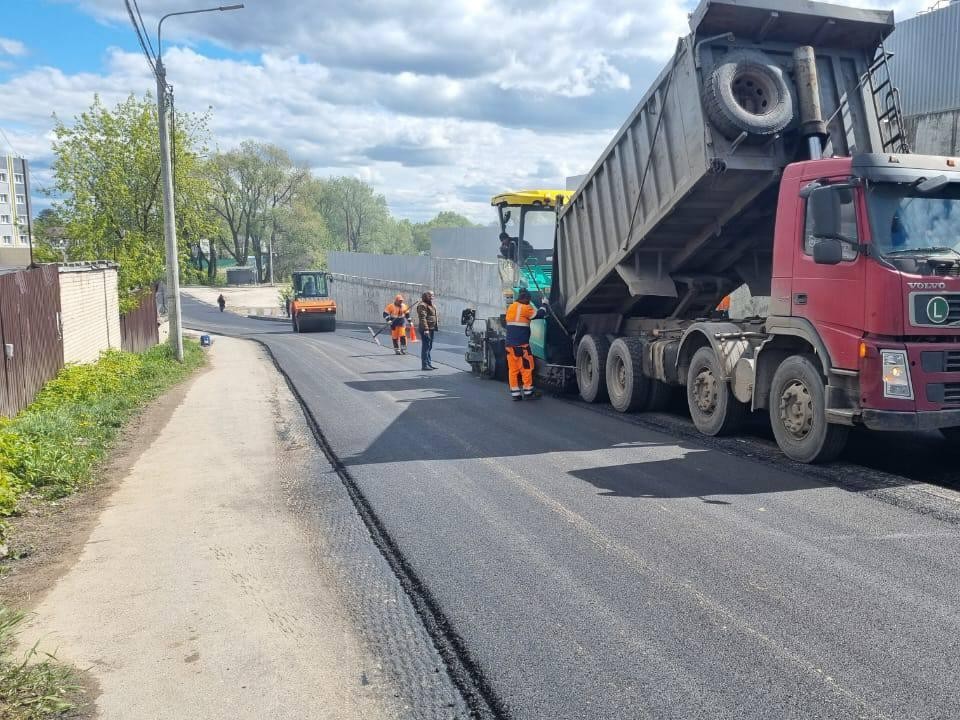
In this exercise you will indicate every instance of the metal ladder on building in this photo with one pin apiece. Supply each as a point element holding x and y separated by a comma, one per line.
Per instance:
<point>886,103</point>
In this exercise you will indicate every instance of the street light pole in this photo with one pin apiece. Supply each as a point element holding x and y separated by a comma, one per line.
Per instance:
<point>166,179</point>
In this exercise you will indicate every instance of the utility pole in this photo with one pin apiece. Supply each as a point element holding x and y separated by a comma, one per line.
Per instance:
<point>169,221</point>
<point>166,180</point>
<point>270,251</point>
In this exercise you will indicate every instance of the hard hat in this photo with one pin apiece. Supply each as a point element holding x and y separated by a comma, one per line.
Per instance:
<point>398,299</point>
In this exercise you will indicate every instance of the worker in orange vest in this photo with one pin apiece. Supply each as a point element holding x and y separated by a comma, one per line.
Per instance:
<point>519,357</point>
<point>398,315</point>
<point>724,307</point>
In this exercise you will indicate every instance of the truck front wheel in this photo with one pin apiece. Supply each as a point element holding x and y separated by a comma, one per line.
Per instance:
<point>592,368</point>
<point>713,408</point>
<point>798,413</point>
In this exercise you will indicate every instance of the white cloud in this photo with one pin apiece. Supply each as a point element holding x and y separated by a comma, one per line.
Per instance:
<point>440,105</point>
<point>422,164</point>
<point>12,47</point>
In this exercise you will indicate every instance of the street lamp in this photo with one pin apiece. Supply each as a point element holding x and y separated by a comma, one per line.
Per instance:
<point>166,176</point>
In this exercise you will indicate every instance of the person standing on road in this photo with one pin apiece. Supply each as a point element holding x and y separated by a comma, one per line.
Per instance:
<point>222,302</point>
<point>398,315</point>
<point>428,325</point>
<point>519,357</point>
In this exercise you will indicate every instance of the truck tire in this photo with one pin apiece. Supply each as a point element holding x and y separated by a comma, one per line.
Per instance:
<point>627,386</point>
<point>748,92</point>
<point>713,408</point>
<point>798,413</point>
<point>592,368</point>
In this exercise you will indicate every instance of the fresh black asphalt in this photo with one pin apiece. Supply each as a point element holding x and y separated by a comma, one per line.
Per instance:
<point>593,567</point>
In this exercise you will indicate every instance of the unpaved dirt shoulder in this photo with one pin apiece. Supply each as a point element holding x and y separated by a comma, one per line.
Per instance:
<point>229,576</point>
<point>47,538</point>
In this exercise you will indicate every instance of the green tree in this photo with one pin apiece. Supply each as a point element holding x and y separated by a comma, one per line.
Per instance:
<point>50,240</point>
<point>301,238</point>
<point>253,186</point>
<point>107,172</point>
<point>356,215</point>
<point>445,219</point>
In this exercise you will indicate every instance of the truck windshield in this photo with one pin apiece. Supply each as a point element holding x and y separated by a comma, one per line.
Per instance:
<point>905,220</point>
<point>310,285</point>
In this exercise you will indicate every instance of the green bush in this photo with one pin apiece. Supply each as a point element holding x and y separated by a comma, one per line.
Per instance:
<point>53,446</point>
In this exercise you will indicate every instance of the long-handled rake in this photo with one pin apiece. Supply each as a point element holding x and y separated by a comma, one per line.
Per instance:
<point>376,334</point>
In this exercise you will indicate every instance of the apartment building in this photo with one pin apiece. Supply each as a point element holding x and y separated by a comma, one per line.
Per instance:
<point>14,207</point>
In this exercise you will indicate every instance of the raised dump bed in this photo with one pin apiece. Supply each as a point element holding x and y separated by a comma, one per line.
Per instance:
<point>679,209</point>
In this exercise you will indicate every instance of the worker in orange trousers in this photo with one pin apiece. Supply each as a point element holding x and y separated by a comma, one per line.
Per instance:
<point>398,315</point>
<point>519,357</point>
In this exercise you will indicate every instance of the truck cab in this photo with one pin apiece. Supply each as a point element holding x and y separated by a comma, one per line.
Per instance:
<point>866,266</point>
<point>311,307</point>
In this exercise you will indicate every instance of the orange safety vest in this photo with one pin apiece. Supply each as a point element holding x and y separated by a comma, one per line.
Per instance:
<point>519,316</point>
<point>724,304</point>
<point>393,312</point>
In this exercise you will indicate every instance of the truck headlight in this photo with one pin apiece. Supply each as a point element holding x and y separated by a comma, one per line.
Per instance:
<point>896,375</point>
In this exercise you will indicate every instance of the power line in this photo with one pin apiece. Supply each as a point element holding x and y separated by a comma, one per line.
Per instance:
<point>151,61</point>
<point>143,26</point>
<point>7,140</point>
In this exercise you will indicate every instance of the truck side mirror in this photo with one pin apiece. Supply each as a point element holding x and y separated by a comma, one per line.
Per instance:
<point>467,316</point>
<point>824,204</point>
<point>828,251</point>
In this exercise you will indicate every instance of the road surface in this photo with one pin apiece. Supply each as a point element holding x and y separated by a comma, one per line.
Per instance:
<point>590,565</point>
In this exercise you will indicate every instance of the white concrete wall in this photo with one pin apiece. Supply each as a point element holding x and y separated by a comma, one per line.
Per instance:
<point>934,134</point>
<point>743,304</point>
<point>89,313</point>
<point>457,284</point>
<point>361,299</point>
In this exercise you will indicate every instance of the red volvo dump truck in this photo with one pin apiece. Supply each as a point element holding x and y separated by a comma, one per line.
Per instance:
<point>770,153</point>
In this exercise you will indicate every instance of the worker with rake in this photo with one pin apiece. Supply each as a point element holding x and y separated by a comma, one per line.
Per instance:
<point>397,314</point>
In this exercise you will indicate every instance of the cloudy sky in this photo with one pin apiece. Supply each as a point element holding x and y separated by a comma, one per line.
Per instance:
<point>438,104</point>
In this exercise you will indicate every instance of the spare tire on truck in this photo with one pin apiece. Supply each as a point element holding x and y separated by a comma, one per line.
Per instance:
<point>748,92</point>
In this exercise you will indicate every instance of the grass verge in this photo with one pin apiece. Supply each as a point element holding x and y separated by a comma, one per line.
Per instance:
<point>35,687</point>
<point>52,448</point>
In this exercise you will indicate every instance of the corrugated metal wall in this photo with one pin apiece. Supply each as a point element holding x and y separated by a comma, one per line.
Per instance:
<point>139,328</point>
<point>926,63</point>
<point>31,348</point>
<point>466,243</point>
<point>398,268</point>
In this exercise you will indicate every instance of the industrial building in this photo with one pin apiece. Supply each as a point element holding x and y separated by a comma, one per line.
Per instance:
<point>926,68</point>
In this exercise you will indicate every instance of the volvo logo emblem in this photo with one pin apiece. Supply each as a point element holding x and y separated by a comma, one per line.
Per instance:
<point>938,310</point>
<point>927,285</point>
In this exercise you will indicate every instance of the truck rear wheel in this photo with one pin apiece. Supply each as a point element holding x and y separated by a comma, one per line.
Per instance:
<point>798,413</point>
<point>713,408</point>
<point>627,386</point>
<point>592,368</point>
